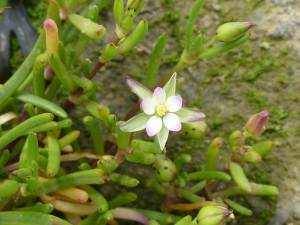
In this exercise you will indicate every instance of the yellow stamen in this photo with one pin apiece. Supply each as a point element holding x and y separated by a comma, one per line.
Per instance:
<point>161,110</point>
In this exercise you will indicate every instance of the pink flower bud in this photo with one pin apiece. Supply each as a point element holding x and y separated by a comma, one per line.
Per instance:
<point>48,72</point>
<point>257,123</point>
<point>51,36</point>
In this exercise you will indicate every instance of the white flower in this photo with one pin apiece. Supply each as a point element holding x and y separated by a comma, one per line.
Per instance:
<point>162,111</point>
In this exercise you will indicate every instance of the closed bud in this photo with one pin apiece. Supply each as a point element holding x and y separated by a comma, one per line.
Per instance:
<point>51,36</point>
<point>257,123</point>
<point>146,146</point>
<point>232,30</point>
<point>214,215</point>
<point>196,131</point>
<point>139,156</point>
<point>164,169</point>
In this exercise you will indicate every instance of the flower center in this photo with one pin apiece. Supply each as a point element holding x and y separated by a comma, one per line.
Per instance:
<point>161,110</point>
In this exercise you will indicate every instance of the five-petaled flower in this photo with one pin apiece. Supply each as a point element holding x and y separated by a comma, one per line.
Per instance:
<point>162,111</point>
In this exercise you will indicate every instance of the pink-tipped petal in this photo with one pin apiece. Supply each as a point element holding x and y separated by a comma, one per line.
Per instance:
<point>170,86</point>
<point>139,89</point>
<point>172,122</point>
<point>136,123</point>
<point>174,103</point>
<point>153,125</point>
<point>162,137</point>
<point>159,96</point>
<point>148,106</point>
<point>189,115</point>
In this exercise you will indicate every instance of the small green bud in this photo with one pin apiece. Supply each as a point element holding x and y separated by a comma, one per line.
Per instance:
<point>214,215</point>
<point>257,123</point>
<point>146,146</point>
<point>196,131</point>
<point>232,30</point>
<point>87,27</point>
<point>84,166</point>
<point>139,156</point>
<point>164,169</point>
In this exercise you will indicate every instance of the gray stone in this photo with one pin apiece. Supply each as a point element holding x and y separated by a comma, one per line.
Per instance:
<point>296,210</point>
<point>296,188</point>
<point>280,217</point>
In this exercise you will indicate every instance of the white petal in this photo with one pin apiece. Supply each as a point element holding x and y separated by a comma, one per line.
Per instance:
<point>148,106</point>
<point>162,137</point>
<point>189,115</point>
<point>159,96</point>
<point>170,86</point>
<point>172,122</point>
<point>153,125</point>
<point>136,123</point>
<point>139,89</point>
<point>174,103</point>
